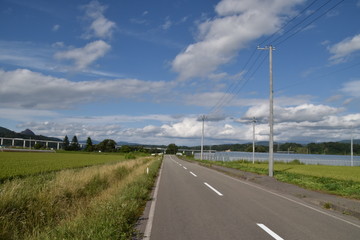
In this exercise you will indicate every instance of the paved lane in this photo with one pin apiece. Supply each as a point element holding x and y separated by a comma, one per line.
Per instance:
<point>194,202</point>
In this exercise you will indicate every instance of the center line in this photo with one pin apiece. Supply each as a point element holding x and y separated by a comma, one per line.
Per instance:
<point>209,186</point>
<point>271,233</point>
<point>193,174</point>
<point>185,168</point>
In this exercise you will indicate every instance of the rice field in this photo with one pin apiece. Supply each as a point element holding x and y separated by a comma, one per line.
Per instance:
<point>19,164</point>
<point>98,198</point>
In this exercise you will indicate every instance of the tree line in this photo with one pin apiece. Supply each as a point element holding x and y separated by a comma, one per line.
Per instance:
<point>107,145</point>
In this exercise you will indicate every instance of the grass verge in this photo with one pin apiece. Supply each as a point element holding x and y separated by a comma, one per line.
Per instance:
<point>98,202</point>
<point>338,180</point>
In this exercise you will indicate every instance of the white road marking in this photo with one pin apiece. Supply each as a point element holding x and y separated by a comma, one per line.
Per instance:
<point>193,174</point>
<point>287,198</point>
<point>217,192</point>
<point>268,230</point>
<point>185,168</point>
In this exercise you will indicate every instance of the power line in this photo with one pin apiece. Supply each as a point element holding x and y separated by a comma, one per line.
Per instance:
<point>228,97</point>
<point>234,89</point>
<point>302,28</point>
<point>231,87</point>
<point>286,24</point>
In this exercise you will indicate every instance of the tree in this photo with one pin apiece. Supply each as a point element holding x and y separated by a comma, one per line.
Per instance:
<point>172,149</point>
<point>66,143</point>
<point>125,149</point>
<point>108,145</point>
<point>74,146</point>
<point>38,146</point>
<point>89,145</point>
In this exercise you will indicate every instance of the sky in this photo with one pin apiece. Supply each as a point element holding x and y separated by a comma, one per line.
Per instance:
<point>147,71</point>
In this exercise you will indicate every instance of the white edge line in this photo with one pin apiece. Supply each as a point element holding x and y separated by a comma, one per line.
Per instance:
<point>193,174</point>
<point>149,223</point>
<point>268,230</point>
<point>217,192</point>
<point>289,199</point>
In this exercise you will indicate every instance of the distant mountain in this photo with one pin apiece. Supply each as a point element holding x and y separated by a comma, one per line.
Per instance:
<point>26,134</point>
<point>355,141</point>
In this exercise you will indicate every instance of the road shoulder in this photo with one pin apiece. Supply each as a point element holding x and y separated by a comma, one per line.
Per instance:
<point>327,201</point>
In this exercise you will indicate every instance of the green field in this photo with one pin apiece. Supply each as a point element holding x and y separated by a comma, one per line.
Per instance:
<point>16,164</point>
<point>336,172</point>
<point>339,180</point>
<point>73,195</point>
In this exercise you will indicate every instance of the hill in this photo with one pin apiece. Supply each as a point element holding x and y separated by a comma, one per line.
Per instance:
<point>26,134</point>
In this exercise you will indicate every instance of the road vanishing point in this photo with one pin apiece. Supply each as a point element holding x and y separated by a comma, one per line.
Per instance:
<point>195,202</point>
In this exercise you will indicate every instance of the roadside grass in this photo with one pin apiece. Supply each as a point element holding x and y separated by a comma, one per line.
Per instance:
<point>113,216</point>
<point>96,202</point>
<point>338,180</point>
<point>19,164</point>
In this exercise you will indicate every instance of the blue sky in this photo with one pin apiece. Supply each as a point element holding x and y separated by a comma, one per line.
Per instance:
<point>144,71</point>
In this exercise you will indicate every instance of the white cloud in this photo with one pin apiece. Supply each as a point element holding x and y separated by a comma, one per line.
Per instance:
<point>28,54</point>
<point>342,50</point>
<point>300,113</point>
<point>23,88</point>
<point>187,130</point>
<point>83,57</point>
<point>220,39</point>
<point>168,23</point>
<point>26,114</point>
<point>100,26</point>
<point>56,27</point>
<point>352,88</point>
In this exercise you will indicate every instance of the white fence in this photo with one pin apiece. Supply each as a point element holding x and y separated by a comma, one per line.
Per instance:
<point>315,159</point>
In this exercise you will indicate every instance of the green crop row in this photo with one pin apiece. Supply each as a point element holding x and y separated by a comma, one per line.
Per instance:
<point>20,164</point>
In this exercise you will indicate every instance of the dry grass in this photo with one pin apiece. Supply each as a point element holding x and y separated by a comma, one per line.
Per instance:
<point>35,204</point>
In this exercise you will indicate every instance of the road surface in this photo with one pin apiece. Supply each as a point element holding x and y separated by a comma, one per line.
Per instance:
<point>194,202</point>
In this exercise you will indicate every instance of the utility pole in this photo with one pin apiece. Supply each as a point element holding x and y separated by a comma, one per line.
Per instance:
<point>253,123</point>
<point>203,117</point>
<point>271,115</point>
<point>352,148</point>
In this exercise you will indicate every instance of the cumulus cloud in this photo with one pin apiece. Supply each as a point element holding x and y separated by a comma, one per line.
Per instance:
<point>300,113</point>
<point>83,57</point>
<point>23,88</point>
<point>100,26</point>
<point>237,23</point>
<point>342,50</point>
<point>188,130</point>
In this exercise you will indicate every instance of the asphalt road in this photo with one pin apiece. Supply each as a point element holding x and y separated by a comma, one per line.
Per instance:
<point>194,202</point>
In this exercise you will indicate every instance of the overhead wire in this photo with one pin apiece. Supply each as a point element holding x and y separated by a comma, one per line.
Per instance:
<point>302,21</point>
<point>311,22</point>
<point>235,88</point>
<point>231,87</point>
<point>286,24</point>
<point>230,95</point>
